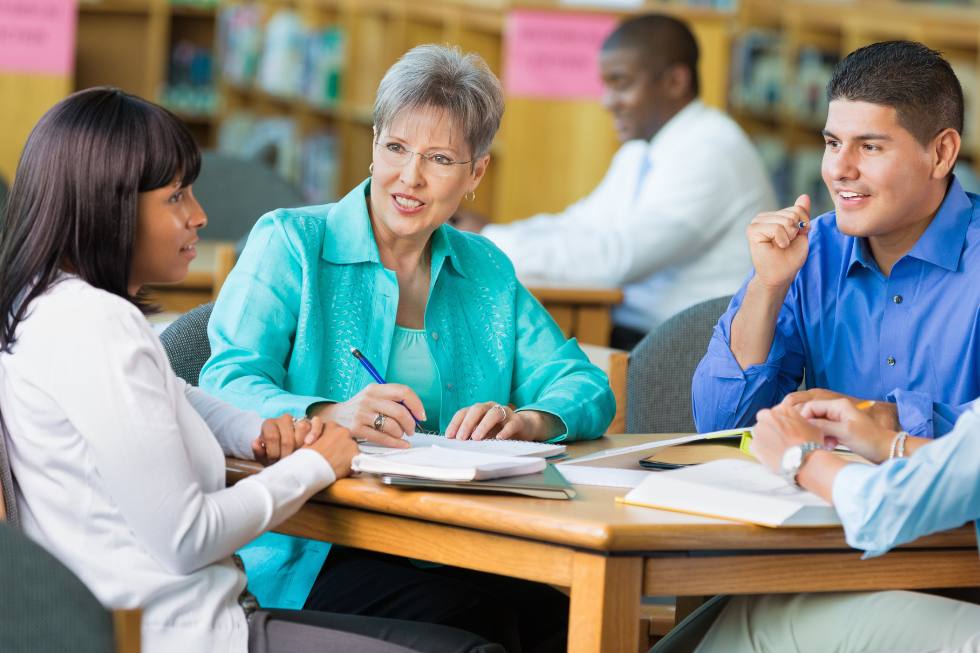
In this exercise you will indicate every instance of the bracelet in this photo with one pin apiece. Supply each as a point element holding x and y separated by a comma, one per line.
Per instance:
<point>898,445</point>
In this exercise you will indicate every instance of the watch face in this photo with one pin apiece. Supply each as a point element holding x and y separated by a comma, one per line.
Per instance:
<point>792,459</point>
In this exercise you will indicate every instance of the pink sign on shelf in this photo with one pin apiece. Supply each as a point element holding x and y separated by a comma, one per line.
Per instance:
<point>551,54</point>
<point>38,36</point>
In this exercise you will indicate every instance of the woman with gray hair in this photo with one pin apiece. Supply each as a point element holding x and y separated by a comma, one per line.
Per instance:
<point>464,347</point>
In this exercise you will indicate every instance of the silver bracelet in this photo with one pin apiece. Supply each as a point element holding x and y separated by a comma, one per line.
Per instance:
<point>898,445</point>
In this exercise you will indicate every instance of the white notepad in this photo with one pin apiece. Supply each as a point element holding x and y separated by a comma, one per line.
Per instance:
<point>739,490</point>
<point>497,447</point>
<point>446,464</point>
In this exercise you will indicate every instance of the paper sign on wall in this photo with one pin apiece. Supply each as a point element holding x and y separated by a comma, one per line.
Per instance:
<point>38,36</point>
<point>549,54</point>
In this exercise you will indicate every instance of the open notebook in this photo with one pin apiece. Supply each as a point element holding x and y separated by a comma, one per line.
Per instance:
<point>446,464</point>
<point>498,447</point>
<point>739,490</point>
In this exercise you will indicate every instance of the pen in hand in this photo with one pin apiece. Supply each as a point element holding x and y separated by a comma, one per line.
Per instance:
<point>366,364</point>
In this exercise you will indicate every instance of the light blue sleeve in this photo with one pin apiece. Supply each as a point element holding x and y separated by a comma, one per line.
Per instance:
<point>553,375</point>
<point>903,499</point>
<point>725,396</point>
<point>253,325</point>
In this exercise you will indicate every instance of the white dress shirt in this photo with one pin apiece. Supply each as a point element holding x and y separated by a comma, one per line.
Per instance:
<point>119,473</point>
<point>672,239</point>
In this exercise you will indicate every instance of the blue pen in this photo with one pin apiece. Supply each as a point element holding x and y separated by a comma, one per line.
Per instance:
<point>362,359</point>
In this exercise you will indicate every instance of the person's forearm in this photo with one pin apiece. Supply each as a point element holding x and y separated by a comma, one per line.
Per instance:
<point>818,473</point>
<point>541,425</point>
<point>754,326</point>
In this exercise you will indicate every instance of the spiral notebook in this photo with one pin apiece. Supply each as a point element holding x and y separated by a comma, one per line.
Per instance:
<point>497,447</point>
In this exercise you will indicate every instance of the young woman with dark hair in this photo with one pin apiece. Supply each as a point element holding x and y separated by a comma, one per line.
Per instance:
<point>119,465</point>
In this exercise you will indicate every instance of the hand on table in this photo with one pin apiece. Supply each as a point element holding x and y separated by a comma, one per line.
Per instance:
<point>337,446</point>
<point>778,429</point>
<point>489,419</point>
<point>842,422</point>
<point>378,405</point>
<point>883,413</point>
<point>283,435</point>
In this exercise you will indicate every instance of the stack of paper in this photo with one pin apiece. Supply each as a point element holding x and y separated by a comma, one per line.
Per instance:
<point>442,463</point>
<point>497,447</point>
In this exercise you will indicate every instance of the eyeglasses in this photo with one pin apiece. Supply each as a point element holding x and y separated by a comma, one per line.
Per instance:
<point>396,155</point>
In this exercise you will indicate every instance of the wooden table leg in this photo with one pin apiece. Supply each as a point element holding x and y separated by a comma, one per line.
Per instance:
<point>605,604</point>
<point>593,324</point>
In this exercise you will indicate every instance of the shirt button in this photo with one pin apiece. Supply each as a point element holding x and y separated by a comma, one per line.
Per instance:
<point>897,299</point>
<point>890,360</point>
<point>435,335</point>
<point>449,386</point>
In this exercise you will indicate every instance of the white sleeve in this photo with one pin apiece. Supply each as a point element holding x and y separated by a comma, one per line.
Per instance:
<point>116,388</point>
<point>234,428</point>
<point>680,213</point>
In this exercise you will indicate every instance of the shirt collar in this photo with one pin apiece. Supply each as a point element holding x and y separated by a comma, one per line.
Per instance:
<point>943,240</point>
<point>349,217</point>
<point>678,126</point>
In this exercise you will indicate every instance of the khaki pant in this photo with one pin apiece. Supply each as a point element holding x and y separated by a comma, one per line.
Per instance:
<point>865,622</point>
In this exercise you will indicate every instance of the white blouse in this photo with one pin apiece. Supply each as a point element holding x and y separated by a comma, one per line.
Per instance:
<point>120,470</point>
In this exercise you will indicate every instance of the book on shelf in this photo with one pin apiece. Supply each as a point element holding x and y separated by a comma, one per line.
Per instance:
<point>446,464</point>
<point>738,490</point>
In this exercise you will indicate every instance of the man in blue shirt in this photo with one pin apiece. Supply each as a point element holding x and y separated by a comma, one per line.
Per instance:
<point>878,299</point>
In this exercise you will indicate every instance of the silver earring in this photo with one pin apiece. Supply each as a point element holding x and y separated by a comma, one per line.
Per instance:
<point>371,168</point>
<point>470,196</point>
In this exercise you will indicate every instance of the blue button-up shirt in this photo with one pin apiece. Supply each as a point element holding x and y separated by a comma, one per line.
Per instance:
<point>912,338</point>
<point>903,499</point>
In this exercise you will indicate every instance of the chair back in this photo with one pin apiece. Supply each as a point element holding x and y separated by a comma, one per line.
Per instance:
<point>661,368</point>
<point>43,606</point>
<point>235,192</point>
<point>186,343</point>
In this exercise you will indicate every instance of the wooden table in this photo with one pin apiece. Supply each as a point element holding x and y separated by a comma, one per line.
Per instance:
<point>581,311</point>
<point>610,554</point>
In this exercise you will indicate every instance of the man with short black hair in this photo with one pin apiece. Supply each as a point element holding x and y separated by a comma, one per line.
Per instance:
<point>666,221</point>
<point>879,298</point>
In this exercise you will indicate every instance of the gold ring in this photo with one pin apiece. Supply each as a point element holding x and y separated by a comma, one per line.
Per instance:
<point>379,422</point>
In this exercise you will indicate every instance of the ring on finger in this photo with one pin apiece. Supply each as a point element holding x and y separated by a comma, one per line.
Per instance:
<point>379,422</point>
<point>503,412</point>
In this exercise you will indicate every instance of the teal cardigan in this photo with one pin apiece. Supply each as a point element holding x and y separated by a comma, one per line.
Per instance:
<point>310,285</point>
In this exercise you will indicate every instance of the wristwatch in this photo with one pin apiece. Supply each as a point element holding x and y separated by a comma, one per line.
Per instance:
<point>793,459</point>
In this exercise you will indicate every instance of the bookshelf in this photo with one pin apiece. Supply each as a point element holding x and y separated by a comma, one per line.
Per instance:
<point>834,28</point>
<point>132,43</point>
<point>548,153</point>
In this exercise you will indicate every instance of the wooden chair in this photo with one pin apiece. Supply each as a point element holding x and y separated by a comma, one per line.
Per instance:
<point>39,591</point>
<point>615,363</point>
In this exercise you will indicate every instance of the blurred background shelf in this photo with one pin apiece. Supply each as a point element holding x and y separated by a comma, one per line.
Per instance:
<point>292,82</point>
